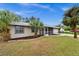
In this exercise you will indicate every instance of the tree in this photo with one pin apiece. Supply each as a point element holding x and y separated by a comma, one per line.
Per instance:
<point>6,17</point>
<point>27,19</point>
<point>71,18</point>
<point>36,24</point>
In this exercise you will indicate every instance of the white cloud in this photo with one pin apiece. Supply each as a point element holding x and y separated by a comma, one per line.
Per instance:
<point>47,7</point>
<point>25,12</point>
<point>16,12</point>
<point>31,11</point>
<point>65,8</point>
<point>3,9</point>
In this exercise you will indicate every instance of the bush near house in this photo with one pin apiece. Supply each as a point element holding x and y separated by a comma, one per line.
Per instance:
<point>66,28</point>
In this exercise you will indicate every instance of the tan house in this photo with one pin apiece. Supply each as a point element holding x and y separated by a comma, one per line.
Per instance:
<point>22,29</point>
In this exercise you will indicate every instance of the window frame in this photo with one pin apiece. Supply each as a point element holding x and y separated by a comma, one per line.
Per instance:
<point>19,29</point>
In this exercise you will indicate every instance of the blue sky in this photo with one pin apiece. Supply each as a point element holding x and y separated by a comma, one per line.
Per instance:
<point>49,13</point>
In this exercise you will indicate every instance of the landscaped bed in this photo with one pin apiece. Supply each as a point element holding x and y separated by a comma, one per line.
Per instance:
<point>51,45</point>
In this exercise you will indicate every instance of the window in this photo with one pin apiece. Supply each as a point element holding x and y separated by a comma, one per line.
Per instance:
<point>19,29</point>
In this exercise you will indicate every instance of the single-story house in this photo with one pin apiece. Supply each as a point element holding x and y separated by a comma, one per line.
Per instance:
<point>22,29</point>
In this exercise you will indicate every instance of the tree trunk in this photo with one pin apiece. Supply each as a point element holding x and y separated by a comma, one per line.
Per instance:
<point>6,35</point>
<point>35,33</point>
<point>75,34</point>
<point>36,30</point>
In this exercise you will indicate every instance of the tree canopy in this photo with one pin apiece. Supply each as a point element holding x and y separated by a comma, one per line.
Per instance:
<point>35,23</point>
<point>71,18</point>
<point>70,15</point>
<point>6,17</point>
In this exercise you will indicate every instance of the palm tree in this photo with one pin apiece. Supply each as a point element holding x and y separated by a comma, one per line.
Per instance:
<point>36,24</point>
<point>27,19</point>
<point>6,17</point>
<point>71,18</point>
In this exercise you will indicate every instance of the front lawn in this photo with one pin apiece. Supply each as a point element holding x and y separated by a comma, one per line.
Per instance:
<point>52,45</point>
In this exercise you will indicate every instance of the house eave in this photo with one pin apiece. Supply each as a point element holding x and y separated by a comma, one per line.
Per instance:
<point>27,24</point>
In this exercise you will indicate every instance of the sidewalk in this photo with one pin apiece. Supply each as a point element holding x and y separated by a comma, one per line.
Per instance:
<point>67,35</point>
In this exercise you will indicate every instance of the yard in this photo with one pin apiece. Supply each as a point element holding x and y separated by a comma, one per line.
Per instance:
<point>48,46</point>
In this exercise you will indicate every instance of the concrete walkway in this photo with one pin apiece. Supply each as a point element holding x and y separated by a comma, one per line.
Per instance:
<point>67,35</point>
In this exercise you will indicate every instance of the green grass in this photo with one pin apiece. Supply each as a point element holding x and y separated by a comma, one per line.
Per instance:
<point>48,46</point>
<point>68,33</point>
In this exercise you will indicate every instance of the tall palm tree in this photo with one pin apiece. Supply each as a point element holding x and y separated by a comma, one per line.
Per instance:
<point>36,24</point>
<point>6,17</point>
<point>71,18</point>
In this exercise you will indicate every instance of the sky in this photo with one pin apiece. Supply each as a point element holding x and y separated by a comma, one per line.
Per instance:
<point>49,13</point>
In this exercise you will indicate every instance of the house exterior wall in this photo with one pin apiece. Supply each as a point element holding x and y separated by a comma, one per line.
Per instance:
<point>55,31</point>
<point>27,32</point>
<point>51,31</point>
